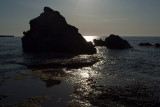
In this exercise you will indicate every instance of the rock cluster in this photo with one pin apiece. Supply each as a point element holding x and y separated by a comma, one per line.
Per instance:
<point>157,45</point>
<point>113,42</point>
<point>51,32</point>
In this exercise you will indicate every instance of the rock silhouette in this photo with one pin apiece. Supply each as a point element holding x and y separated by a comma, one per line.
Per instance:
<point>113,42</point>
<point>51,32</point>
<point>99,42</point>
<point>157,45</point>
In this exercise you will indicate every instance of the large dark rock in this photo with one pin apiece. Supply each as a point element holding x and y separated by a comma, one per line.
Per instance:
<point>113,42</point>
<point>50,32</point>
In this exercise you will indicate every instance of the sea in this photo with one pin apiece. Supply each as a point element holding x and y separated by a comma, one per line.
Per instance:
<point>131,70</point>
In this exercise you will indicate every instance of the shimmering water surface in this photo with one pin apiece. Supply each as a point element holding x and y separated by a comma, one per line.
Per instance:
<point>138,67</point>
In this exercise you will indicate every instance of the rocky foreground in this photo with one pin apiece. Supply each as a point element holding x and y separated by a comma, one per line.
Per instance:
<point>80,72</point>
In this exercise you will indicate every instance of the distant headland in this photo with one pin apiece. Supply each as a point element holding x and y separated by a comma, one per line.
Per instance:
<point>6,36</point>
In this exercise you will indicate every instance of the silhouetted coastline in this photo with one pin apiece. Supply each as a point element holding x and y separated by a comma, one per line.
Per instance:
<point>6,36</point>
<point>157,45</point>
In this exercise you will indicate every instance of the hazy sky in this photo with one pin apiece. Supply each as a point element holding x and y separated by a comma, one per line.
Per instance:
<point>92,17</point>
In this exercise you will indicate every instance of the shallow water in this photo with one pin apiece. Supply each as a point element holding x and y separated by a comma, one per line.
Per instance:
<point>115,69</point>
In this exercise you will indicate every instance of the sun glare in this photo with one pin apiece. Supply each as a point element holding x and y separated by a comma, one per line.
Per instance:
<point>90,38</point>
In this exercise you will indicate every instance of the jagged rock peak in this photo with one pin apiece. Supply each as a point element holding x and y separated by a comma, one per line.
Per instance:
<point>48,9</point>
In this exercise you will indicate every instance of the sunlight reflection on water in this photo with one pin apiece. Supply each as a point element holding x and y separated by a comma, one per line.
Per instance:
<point>85,74</point>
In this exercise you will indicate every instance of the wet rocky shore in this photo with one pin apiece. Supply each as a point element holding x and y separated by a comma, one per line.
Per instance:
<point>87,89</point>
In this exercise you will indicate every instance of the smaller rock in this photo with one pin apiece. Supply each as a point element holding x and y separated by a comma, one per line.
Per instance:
<point>145,44</point>
<point>116,42</point>
<point>157,45</point>
<point>113,42</point>
<point>99,42</point>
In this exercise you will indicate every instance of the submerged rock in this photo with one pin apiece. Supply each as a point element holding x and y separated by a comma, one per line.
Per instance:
<point>51,32</point>
<point>113,42</point>
<point>145,44</point>
<point>51,82</point>
<point>2,96</point>
<point>68,63</point>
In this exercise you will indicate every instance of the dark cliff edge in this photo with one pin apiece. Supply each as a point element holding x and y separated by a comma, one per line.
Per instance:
<point>51,32</point>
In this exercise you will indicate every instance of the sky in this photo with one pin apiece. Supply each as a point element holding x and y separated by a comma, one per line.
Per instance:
<point>91,17</point>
